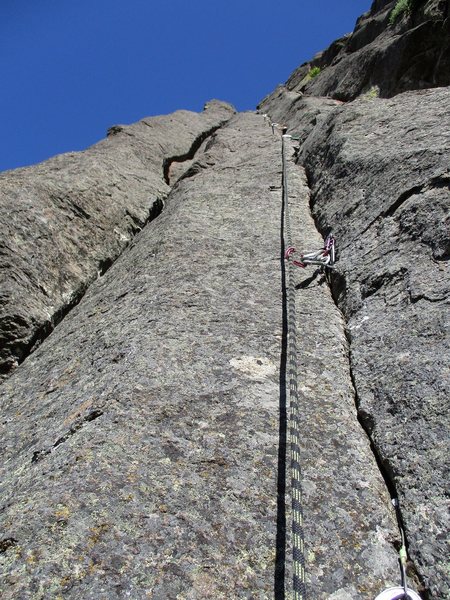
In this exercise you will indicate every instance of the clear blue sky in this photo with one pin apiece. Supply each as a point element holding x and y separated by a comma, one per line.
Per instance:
<point>69,69</point>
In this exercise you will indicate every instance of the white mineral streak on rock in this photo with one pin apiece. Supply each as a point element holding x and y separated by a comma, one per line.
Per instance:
<point>254,368</point>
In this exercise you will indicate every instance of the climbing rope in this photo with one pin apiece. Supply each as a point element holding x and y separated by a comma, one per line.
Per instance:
<point>298,544</point>
<point>325,257</point>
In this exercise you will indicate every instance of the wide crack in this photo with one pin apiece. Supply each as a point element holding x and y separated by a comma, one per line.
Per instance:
<point>337,285</point>
<point>168,162</point>
<point>25,349</point>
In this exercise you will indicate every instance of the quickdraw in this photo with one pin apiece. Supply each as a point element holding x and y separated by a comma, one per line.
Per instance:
<point>325,257</point>
<point>403,592</point>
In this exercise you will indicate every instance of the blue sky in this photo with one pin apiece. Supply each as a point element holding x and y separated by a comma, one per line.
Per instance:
<point>72,68</point>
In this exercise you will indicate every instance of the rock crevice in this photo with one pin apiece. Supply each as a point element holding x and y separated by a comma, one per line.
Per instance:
<point>378,173</point>
<point>365,420</point>
<point>187,157</point>
<point>82,210</point>
<point>181,368</point>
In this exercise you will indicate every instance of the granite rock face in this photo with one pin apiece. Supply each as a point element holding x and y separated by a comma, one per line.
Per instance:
<point>302,113</point>
<point>382,183</point>
<point>81,210</point>
<point>144,441</point>
<point>379,176</point>
<point>411,53</point>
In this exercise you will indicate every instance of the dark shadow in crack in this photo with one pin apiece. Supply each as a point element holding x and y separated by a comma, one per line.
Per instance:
<point>307,282</point>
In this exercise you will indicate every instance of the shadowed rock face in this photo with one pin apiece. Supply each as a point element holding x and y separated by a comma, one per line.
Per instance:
<point>381,182</point>
<point>379,177</point>
<point>81,210</point>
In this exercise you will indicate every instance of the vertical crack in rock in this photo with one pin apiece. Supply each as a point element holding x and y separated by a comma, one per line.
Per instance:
<point>49,301</point>
<point>379,177</point>
<point>104,265</point>
<point>336,284</point>
<point>176,488</point>
<point>178,479</point>
<point>382,185</point>
<point>47,327</point>
<point>180,473</point>
<point>340,476</point>
<point>378,174</point>
<point>386,472</point>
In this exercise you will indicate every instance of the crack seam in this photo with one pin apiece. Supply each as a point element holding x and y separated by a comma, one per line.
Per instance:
<point>364,419</point>
<point>435,182</point>
<point>92,416</point>
<point>103,265</point>
<point>190,154</point>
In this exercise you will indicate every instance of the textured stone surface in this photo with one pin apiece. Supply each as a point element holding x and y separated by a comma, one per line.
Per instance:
<point>302,113</point>
<point>412,53</point>
<point>380,179</point>
<point>65,220</point>
<point>141,441</point>
<point>349,528</point>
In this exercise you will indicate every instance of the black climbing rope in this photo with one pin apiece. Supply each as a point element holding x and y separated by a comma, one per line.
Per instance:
<point>325,258</point>
<point>298,544</point>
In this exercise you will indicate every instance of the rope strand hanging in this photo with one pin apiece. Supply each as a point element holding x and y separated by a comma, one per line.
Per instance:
<point>298,544</point>
<point>325,259</point>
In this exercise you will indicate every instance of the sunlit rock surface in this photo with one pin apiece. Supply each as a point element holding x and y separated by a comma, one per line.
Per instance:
<point>67,219</point>
<point>144,438</point>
